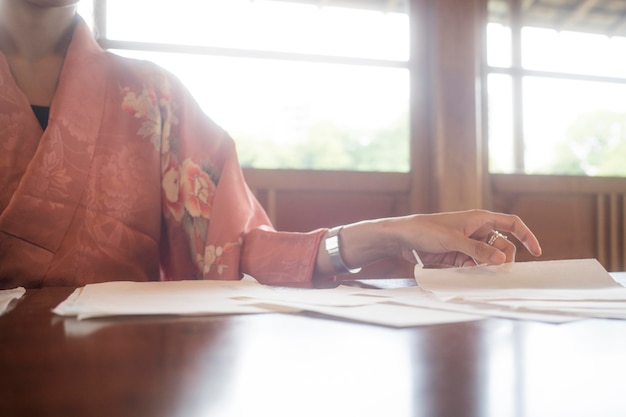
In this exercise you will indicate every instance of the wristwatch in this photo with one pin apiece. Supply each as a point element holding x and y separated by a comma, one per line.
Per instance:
<point>333,248</point>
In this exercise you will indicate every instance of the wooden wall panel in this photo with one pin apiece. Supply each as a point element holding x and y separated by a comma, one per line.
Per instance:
<point>573,217</point>
<point>610,230</point>
<point>302,210</point>
<point>564,224</point>
<point>300,200</point>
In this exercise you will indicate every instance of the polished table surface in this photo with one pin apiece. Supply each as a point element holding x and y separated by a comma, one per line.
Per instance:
<point>304,365</point>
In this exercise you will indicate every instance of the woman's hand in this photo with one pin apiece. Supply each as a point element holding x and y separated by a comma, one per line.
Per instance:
<point>443,239</point>
<point>462,238</point>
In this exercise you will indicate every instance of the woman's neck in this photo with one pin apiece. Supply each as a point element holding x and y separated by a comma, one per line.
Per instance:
<point>35,40</point>
<point>32,33</point>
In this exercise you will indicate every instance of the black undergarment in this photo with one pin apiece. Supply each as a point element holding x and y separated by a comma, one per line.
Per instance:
<point>41,113</point>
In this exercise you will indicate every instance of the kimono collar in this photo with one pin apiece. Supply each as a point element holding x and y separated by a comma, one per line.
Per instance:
<point>41,208</point>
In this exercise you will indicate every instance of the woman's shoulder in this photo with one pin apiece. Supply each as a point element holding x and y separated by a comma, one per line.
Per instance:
<point>140,71</point>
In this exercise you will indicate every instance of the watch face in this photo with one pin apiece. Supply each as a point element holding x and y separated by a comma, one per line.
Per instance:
<point>332,244</point>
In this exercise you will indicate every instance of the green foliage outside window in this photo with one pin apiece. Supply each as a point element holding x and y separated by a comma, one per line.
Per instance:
<point>595,144</point>
<point>331,147</point>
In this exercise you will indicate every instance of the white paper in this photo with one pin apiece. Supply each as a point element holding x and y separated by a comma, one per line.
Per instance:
<point>119,298</point>
<point>539,275</point>
<point>375,306</point>
<point>420,298</point>
<point>571,288</point>
<point>7,297</point>
<point>549,291</point>
<point>397,315</point>
<point>248,296</point>
<point>340,296</point>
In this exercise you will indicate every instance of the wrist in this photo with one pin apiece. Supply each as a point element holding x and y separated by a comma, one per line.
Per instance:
<point>333,243</point>
<point>368,241</point>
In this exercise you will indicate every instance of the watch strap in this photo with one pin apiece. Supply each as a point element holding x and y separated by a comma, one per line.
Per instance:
<point>332,245</point>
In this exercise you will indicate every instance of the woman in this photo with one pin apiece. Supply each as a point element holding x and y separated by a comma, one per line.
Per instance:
<point>109,170</point>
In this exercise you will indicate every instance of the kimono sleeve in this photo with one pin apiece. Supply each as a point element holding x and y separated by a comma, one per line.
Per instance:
<point>213,226</point>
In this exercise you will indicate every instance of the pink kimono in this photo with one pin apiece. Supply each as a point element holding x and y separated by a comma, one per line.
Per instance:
<point>130,181</point>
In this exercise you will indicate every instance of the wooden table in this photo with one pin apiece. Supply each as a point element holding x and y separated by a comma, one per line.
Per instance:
<point>301,365</point>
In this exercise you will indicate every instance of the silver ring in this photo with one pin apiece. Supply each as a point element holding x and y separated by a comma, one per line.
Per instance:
<point>493,236</point>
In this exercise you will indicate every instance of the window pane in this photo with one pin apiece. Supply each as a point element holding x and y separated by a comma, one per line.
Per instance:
<point>574,127</point>
<point>85,10</point>
<point>501,146</point>
<point>262,25</point>
<point>498,45</point>
<point>286,114</point>
<point>573,52</point>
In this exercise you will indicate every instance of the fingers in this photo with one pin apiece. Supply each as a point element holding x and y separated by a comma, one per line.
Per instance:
<point>495,251</point>
<point>461,238</point>
<point>486,254</point>
<point>513,224</point>
<point>505,246</point>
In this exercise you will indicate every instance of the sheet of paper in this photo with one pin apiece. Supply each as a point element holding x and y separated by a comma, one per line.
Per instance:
<point>119,298</point>
<point>539,275</point>
<point>619,277</point>
<point>397,315</point>
<point>585,308</point>
<point>8,297</point>
<point>339,296</point>
<point>484,309</point>
<point>589,294</point>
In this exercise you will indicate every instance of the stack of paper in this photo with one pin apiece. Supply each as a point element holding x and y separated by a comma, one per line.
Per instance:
<point>248,296</point>
<point>579,288</point>
<point>553,291</point>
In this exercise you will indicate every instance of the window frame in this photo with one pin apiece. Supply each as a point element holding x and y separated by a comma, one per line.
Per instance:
<point>517,73</point>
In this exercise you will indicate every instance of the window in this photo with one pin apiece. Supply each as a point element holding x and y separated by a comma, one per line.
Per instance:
<point>297,84</point>
<point>556,82</point>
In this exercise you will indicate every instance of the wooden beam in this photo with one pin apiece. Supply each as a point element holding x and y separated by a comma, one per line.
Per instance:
<point>324,180</point>
<point>578,14</point>
<point>618,28</point>
<point>556,184</point>
<point>601,232</point>
<point>456,145</point>
<point>528,4</point>
<point>392,5</point>
<point>622,266</point>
